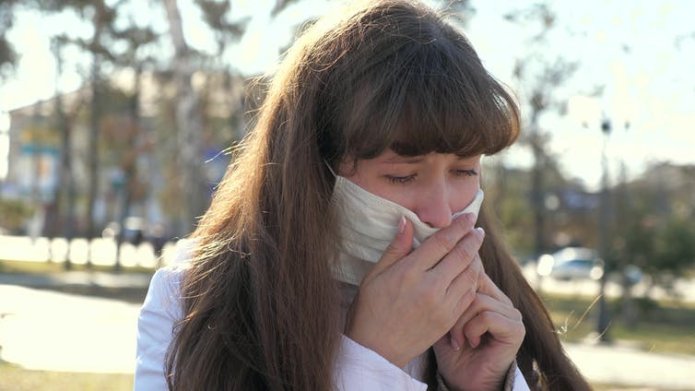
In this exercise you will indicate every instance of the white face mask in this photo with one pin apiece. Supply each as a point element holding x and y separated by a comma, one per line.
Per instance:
<point>369,223</point>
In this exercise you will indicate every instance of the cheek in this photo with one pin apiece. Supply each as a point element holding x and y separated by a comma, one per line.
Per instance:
<point>405,196</point>
<point>463,193</point>
<point>401,195</point>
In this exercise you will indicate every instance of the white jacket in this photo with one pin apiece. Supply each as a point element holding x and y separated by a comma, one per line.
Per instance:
<point>357,367</point>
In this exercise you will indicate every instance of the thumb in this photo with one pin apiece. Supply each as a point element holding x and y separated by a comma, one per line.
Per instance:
<point>399,247</point>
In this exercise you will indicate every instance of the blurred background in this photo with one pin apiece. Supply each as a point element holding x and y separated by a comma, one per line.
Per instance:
<point>116,118</point>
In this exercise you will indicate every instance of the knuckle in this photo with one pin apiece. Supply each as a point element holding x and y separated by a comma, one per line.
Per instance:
<point>392,250</point>
<point>463,251</point>
<point>478,266</point>
<point>487,316</point>
<point>472,279</point>
<point>522,331</point>
<point>443,241</point>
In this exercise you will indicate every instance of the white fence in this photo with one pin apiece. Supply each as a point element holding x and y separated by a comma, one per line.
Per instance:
<point>103,251</point>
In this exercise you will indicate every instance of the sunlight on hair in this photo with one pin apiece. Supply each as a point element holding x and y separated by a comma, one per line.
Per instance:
<point>565,329</point>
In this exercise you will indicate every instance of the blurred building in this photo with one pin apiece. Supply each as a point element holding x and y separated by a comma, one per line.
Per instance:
<point>34,172</point>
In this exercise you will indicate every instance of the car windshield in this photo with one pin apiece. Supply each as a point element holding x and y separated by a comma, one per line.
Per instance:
<point>575,253</point>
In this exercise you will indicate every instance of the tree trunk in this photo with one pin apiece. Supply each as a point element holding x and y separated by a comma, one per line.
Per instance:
<point>129,165</point>
<point>95,117</point>
<point>189,125</point>
<point>65,195</point>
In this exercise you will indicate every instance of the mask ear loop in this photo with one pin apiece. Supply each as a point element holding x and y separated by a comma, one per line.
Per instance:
<point>329,168</point>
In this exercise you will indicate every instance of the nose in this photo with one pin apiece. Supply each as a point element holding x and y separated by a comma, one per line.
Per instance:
<point>434,207</point>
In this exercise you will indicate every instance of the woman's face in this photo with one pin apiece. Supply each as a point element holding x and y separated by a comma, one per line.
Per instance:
<point>433,186</point>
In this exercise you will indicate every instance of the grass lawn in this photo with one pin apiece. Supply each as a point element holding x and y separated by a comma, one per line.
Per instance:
<point>664,327</point>
<point>18,379</point>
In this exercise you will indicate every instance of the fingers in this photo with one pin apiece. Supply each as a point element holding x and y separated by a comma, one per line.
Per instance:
<point>399,247</point>
<point>502,328</point>
<point>461,258</point>
<point>442,242</point>
<point>466,280</point>
<point>456,334</point>
<point>481,305</point>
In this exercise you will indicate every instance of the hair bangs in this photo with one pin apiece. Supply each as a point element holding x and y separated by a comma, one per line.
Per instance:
<point>431,96</point>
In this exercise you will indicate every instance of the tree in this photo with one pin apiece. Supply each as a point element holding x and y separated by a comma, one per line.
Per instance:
<point>8,56</point>
<point>220,129</point>
<point>539,76</point>
<point>136,38</point>
<point>65,120</point>
<point>674,246</point>
<point>656,231</point>
<point>189,123</point>
<point>102,17</point>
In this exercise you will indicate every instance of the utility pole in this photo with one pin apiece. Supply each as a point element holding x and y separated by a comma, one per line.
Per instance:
<point>603,320</point>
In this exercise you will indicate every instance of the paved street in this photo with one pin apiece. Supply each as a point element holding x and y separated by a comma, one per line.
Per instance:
<point>41,329</point>
<point>60,332</point>
<point>628,366</point>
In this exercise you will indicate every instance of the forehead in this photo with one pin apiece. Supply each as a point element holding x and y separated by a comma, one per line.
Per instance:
<point>390,158</point>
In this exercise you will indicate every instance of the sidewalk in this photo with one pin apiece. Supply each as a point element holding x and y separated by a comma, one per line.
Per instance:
<point>38,327</point>
<point>79,279</point>
<point>630,366</point>
<point>54,331</point>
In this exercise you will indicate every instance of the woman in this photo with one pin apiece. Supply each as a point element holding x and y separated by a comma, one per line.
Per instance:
<point>339,252</point>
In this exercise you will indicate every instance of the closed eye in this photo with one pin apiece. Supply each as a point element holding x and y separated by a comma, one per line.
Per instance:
<point>401,179</point>
<point>465,172</point>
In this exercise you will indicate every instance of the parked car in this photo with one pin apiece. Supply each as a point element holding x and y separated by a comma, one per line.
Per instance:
<point>571,263</point>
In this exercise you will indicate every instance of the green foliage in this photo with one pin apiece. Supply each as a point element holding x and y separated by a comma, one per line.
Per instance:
<point>674,246</point>
<point>666,327</point>
<point>653,227</point>
<point>13,214</point>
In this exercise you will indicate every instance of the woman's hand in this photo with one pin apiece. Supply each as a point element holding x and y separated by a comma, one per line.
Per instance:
<point>410,299</point>
<point>479,350</point>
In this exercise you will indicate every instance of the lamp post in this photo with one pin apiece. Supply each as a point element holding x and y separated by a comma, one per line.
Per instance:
<point>586,111</point>
<point>603,320</point>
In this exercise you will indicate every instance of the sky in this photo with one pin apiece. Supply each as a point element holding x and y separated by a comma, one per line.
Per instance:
<point>640,54</point>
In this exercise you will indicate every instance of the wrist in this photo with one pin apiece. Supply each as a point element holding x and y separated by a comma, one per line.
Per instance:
<point>394,358</point>
<point>495,385</point>
<point>506,383</point>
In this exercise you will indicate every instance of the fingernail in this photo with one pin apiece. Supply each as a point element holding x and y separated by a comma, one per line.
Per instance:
<point>455,344</point>
<point>401,225</point>
<point>481,231</point>
<point>475,343</point>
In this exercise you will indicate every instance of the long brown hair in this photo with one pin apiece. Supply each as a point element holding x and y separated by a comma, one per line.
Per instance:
<point>260,302</point>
